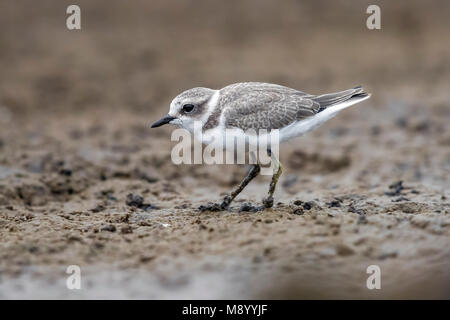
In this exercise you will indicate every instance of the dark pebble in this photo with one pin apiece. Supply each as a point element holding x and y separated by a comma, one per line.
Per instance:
<point>362,219</point>
<point>351,208</point>
<point>307,205</point>
<point>248,207</point>
<point>98,208</point>
<point>298,211</point>
<point>134,200</point>
<point>400,199</point>
<point>109,227</point>
<point>137,201</point>
<point>375,130</point>
<point>334,204</point>
<point>395,189</point>
<point>214,207</point>
<point>401,122</point>
<point>65,172</point>
<point>126,230</point>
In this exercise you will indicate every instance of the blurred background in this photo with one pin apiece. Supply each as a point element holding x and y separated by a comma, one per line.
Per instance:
<point>75,109</point>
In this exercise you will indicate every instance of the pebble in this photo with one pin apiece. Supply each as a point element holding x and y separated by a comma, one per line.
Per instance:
<point>344,250</point>
<point>109,227</point>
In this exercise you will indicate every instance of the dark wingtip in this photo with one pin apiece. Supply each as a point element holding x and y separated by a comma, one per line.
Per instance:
<point>360,93</point>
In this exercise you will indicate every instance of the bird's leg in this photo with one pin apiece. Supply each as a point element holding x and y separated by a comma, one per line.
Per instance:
<point>254,171</point>
<point>268,202</point>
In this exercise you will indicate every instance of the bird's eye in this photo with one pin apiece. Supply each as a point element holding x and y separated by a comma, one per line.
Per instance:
<point>188,107</point>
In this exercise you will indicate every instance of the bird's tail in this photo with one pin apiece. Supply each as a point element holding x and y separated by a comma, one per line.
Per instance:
<point>344,98</point>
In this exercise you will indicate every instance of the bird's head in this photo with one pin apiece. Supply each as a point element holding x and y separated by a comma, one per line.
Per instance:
<point>187,108</point>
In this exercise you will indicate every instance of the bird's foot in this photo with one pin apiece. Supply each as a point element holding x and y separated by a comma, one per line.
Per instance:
<point>226,202</point>
<point>215,207</point>
<point>268,202</point>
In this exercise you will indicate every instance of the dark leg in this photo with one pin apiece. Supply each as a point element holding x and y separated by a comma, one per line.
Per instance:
<point>268,202</point>
<point>254,171</point>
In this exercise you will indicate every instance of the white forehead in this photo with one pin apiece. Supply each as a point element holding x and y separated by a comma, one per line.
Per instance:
<point>177,103</point>
<point>194,96</point>
<point>173,107</point>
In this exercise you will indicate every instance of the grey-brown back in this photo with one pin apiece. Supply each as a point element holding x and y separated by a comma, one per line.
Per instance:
<point>255,105</point>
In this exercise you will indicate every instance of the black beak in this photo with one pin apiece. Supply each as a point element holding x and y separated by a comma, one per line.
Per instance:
<point>163,121</point>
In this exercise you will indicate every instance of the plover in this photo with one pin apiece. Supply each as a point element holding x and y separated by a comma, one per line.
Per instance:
<point>256,105</point>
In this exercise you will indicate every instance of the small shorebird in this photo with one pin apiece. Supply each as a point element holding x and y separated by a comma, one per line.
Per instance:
<point>256,105</point>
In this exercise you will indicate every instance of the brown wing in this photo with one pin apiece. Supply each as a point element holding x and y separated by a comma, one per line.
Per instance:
<point>264,106</point>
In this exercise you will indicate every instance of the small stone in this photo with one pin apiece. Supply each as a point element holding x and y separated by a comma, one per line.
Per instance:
<point>126,229</point>
<point>331,214</point>
<point>399,199</point>
<point>298,206</point>
<point>344,250</point>
<point>109,227</point>
<point>395,189</point>
<point>352,208</point>
<point>65,172</point>
<point>134,200</point>
<point>257,259</point>
<point>308,205</point>
<point>246,207</point>
<point>387,254</point>
<point>375,130</point>
<point>401,122</point>
<point>298,211</point>
<point>210,206</point>
<point>98,208</point>
<point>327,252</point>
<point>362,219</point>
<point>146,258</point>
<point>137,201</point>
<point>334,204</point>
<point>99,245</point>
<point>75,238</point>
